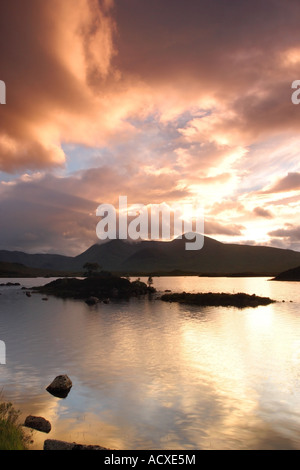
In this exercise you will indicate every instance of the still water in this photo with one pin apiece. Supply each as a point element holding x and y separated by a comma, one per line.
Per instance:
<point>153,375</point>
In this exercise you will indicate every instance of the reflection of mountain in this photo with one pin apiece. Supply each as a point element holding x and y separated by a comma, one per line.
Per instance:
<point>167,257</point>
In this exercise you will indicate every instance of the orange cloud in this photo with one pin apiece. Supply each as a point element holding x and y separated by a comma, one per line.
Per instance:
<point>180,100</point>
<point>49,68</point>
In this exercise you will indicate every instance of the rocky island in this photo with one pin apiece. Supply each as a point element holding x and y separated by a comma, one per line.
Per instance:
<point>239,300</point>
<point>95,288</point>
<point>102,288</point>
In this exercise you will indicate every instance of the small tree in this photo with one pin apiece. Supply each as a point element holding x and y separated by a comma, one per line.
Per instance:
<point>91,268</point>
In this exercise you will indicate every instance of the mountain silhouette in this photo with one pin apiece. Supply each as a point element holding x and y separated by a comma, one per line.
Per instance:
<point>148,257</point>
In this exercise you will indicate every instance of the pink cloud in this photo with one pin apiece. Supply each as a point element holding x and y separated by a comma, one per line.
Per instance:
<point>187,99</point>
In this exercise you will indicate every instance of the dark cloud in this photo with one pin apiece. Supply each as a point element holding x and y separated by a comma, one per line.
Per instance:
<point>290,182</point>
<point>292,233</point>
<point>44,216</point>
<point>213,42</point>
<point>42,212</point>
<point>261,212</point>
<point>287,237</point>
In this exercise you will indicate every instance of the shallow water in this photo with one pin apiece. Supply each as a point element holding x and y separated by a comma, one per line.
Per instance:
<point>153,375</point>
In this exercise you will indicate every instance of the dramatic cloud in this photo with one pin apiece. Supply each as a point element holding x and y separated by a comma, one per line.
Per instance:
<point>162,101</point>
<point>51,53</point>
<point>44,211</point>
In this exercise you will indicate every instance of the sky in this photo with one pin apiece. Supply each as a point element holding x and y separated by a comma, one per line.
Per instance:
<point>162,101</point>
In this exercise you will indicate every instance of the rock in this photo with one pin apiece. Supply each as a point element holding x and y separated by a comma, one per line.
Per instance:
<point>92,300</point>
<point>60,387</point>
<point>38,423</point>
<point>53,444</point>
<point>114,293</point>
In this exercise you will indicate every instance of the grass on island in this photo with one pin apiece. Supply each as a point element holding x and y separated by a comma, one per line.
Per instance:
<point>12,436</point>
<point>208,299</point>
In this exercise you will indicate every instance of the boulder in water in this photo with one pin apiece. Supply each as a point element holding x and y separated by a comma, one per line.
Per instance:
<point>60,387</point>
<point>38,423</point>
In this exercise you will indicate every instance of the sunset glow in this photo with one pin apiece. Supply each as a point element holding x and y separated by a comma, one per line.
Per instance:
<point>165,102</point>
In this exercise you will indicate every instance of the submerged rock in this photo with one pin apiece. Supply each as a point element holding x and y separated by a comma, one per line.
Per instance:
<point>60,386</point>
<point>53,444</point>
<point>38,423</point>
<point>92,301</point>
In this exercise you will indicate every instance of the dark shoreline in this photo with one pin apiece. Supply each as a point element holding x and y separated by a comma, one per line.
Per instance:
<point>103,288</point>
<point>17,270</point>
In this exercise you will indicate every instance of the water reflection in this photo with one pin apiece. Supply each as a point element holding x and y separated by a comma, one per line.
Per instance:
<point>149,374</point>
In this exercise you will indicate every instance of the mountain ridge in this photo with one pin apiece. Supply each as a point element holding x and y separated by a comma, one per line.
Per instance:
<point>149,257</point>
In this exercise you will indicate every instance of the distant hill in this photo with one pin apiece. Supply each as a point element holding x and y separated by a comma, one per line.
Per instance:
<point>156,257</point>
<point>15,270</point>
<point>40,261</point>
<point>215,258</point>
<point>289,275</point>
